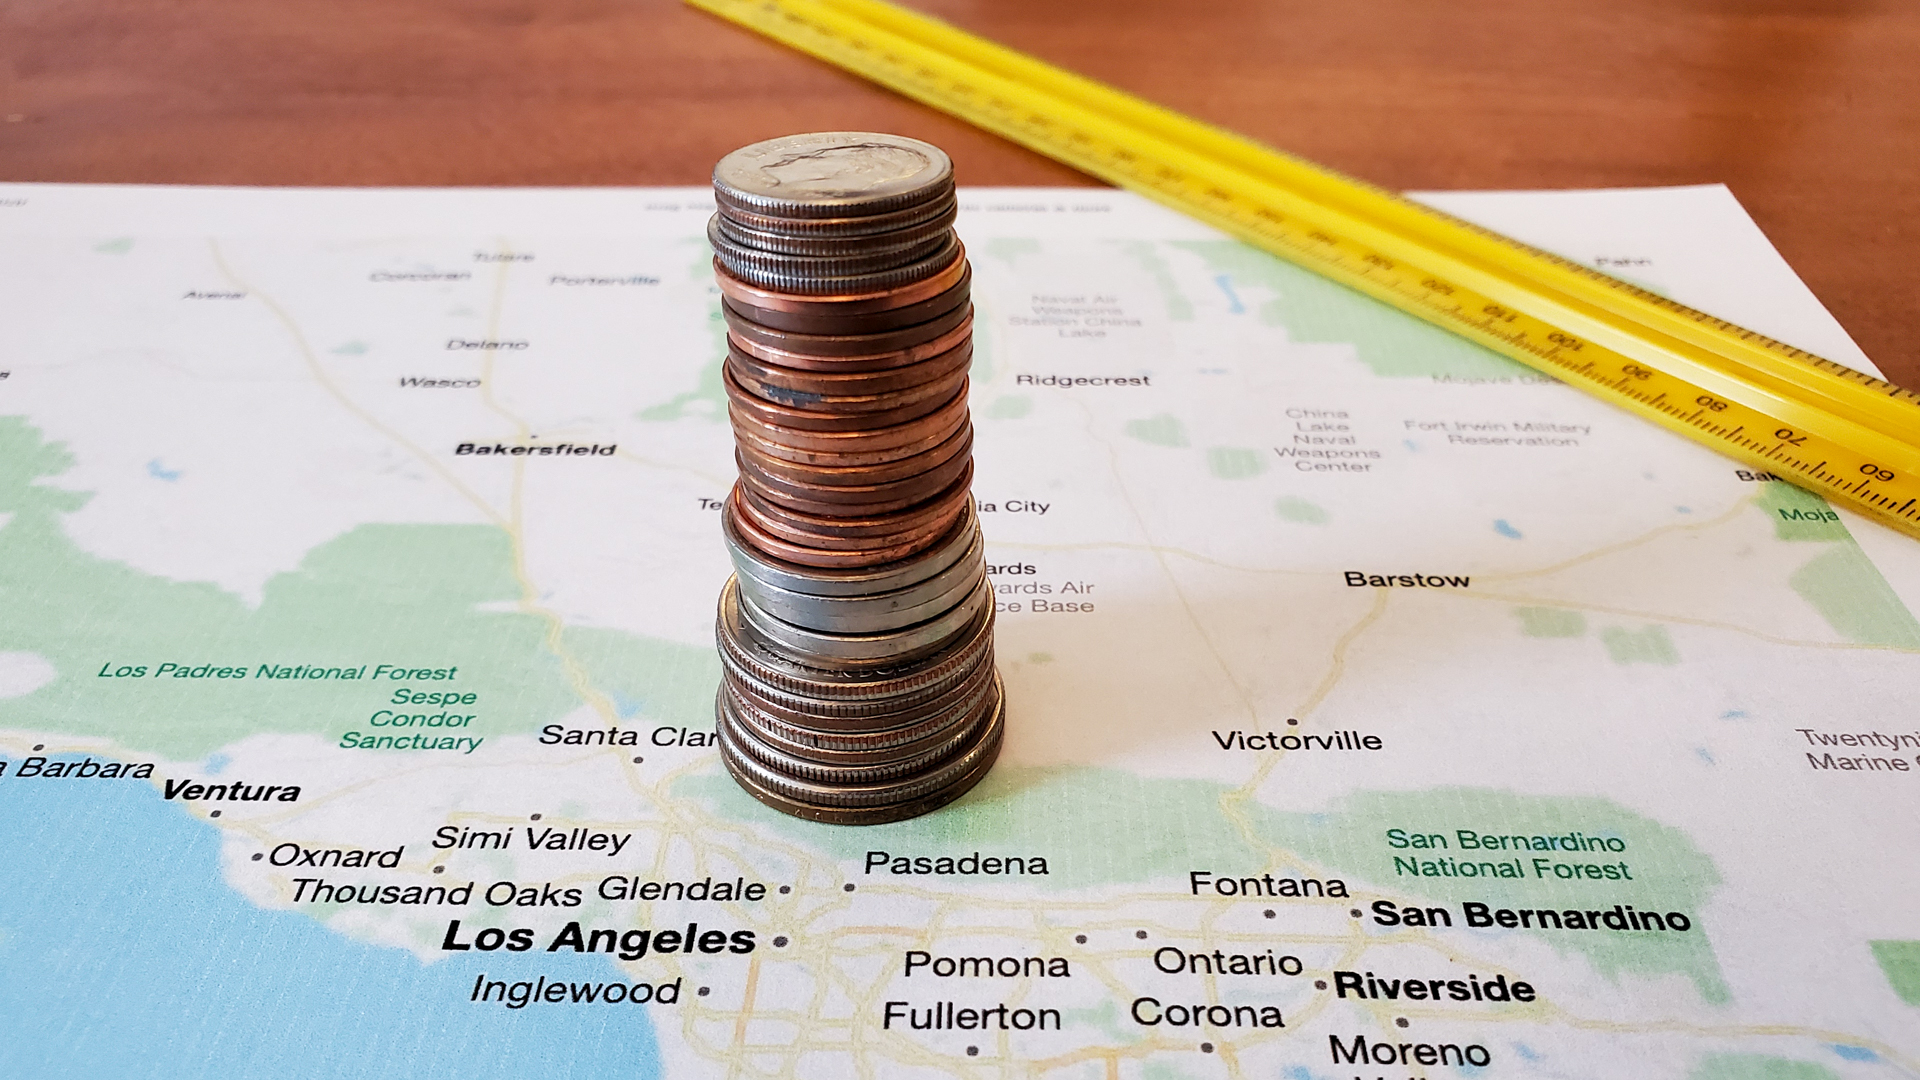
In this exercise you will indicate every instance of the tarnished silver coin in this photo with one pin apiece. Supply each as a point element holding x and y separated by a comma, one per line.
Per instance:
<point>869,804</point>
<point>895,763</point>
<point>816,680</point>
<point>862,650</point>
<point>890,722</point>
<point>802,729</point>
<point>867,614</point>
<point>819,265</point>
<point>842,228</point>
<point>784,241</point>
<point>832,174</point>
<point>798,279</point>
<point>850,724</point>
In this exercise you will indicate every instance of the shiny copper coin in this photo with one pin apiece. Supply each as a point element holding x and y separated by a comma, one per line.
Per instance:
<point>853,499</point>
<point>750,431</point>
<point>825,399</point>
<point>927,523</point>
<point>946,417</point>
<point>851,352</point>
<point>775,548</point>
<point>741,400</point>
<point>749,296</point>
<point>836,475</point>
<point>755,373</point>
<point>882,403</point>
<point>936,515</point>
<point>826,320</point>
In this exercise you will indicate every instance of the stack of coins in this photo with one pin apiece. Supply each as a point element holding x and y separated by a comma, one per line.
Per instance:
<point>857,631</point>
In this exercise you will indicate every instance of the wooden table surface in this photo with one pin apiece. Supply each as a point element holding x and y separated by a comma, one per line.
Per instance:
<point>1808,109</point>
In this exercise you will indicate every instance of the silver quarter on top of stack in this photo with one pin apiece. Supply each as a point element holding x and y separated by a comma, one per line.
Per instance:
<point>856,634</point>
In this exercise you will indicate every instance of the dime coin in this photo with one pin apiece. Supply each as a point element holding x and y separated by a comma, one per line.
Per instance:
<point>798,282</point>
<point>828,269</point>
<point>769,234</point>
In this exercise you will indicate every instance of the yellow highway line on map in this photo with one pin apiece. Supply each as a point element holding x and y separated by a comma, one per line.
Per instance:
<point>320,376</point>
<point>1731,514</point>
<point>1657,617</point>
<point>1140,523</point>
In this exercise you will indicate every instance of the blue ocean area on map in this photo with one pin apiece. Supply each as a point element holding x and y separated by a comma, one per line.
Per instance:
<point>124,955</point>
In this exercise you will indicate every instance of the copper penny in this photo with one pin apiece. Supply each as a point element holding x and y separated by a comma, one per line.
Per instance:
<point>830,322</point>
<point>757,375</point>
<point>851,499</point>
<point>828,400</point>
<point>850,447</point>
<point>851,352</point>
<point>803,555</point>
<point>748,433</point>
<point>936,515</point>
<point>807,420</point>
<point>749,296</point>
<point>801,507</point>
<point>873,437</point>
<point>775,525</point>
<point>834,474</point>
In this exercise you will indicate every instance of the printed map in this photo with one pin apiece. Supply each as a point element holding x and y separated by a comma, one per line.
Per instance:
<point>1377,707</point>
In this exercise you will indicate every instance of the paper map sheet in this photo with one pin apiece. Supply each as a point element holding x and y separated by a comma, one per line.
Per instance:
<point>1377,707</point>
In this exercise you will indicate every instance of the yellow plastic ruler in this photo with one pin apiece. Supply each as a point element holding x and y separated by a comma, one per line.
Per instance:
<point>1825,426</point>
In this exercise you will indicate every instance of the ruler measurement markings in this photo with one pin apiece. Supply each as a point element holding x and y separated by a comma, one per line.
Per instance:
<point>1180,163</point>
